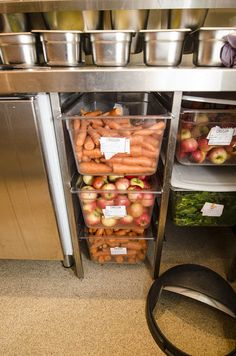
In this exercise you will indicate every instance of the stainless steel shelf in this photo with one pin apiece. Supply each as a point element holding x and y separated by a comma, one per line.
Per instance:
<point>133,78</point>
<point>48,5</point>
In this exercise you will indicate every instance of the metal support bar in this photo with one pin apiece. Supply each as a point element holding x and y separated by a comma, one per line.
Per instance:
<point>66,182</point>
<point>169,161</point>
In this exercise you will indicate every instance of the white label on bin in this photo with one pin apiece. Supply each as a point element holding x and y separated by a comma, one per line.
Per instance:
<point>118,211</point>
<point>110,146</point>
<point>212,209</point>
<point>220,136</point>
<point>118,250</point>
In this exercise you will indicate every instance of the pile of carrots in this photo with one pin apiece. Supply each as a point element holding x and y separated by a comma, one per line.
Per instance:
<point>145,143</point>
<point>101,241</point>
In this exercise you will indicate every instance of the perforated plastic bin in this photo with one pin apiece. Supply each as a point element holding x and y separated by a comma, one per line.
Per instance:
<point>187,208</point>
<point>207,137</point>
<point>114,133</point>
<point>123,202</point>
<point>118,246</point>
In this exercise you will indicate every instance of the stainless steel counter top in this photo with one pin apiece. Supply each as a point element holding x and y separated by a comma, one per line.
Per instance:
<point>131,78</point>
<point>47,5</point>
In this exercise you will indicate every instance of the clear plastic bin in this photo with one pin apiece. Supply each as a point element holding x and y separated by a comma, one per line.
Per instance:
<point>111,202</point>
<point>117,246</point>
<point>194,145</point>
<point>186,207</point>
<point>124,138</point>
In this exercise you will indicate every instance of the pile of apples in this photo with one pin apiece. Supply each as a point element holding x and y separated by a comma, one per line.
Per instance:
<point>133,193</point>
<point>193,143</point>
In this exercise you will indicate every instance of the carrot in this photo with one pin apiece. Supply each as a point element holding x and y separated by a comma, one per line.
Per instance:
<point>133,161</point>
<point>136,140</point>
<point>134,246</point>
<point>113,125</point>
<point>106,132</point>
<point>88,143</point>
<point>136,151</point>
<point>150,154</point>
<point>107,258</point>
<point>119,259</point>
<point>114,112</point>
<point>76,124</point>
<point>158,126</point>
<point>85,159</point>
<point>131,253</point>
<point>81,135</point>
<point>94,168</point>
<point>94,135</point>
<point>125,169</point>
<point>79,154</point>
<point>96,122</point>
<point>93,113</point>
<point>95,153</point>
<point>101,259</point>
<point>131,260</point>
<point>99,232</point>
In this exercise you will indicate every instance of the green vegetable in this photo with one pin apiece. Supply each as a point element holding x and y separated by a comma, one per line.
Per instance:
<point>186,208</point>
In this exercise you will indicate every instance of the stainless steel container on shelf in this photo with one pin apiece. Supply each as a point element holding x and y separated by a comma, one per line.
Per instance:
<point>111,48</point>
<point>61,48</point>
<point>135,20</point>
<point>163,47</point>
<point>18,48</point>
<point>187,18</point>
<point>208,45</point>
<point>64,20</point>
<point>15,22</point>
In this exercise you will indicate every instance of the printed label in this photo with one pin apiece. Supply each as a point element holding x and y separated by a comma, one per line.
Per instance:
<point>118,250</point>
<point>220,136</point>
<point>118,211</point>
<point>113,145</point>
<point>212,209</point>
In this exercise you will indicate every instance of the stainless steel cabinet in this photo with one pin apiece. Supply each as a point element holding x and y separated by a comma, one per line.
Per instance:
<point>28,228</point>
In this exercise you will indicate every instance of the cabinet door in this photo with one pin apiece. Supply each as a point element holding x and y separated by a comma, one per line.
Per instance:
<point>28,228</point>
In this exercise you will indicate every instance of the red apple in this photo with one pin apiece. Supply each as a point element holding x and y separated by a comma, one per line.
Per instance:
<point>142,177</point>
<point>122,200</point>
<point>135,209</point>
<point>218,155</point>
<point>231,149</point>
<point>109,222</point>
<point>126,220</point>
<point>187,125</point>
<point>88,180</point>
<point>185,133</point>
<point>203,145</point>
<point>182,154</point>
<point>135,193</point>
<point>137,182</point>
<point>93,218</point>
<point>122,184</point>
<point>99,182</point>
<point>102,203</point>
<point>88,196</point>
<point>143,220</point>
<point>189,145</point>
<point>89,206</point>
<point>109,195</point>
<point>147,185</point>
<point>148,199</point>
<point>198,156</point>
<point>130,177</point>
<point>112,179</point>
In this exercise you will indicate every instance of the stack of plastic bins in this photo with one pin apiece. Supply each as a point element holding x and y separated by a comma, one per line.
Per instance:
<point>206,134</point>
<point>116,140</point>
<point>203,196</point>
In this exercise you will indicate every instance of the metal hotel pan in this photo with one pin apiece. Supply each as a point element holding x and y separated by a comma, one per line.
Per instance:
<point>135,20</point>
<point>18,48</point>
<point>163,47</point>
<point>208,45</point>
<point>111,48</point>
<point>61,48</point>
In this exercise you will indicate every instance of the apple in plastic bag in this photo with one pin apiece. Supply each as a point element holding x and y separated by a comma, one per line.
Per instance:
<point>185,133</point>
<point>122,200</point>
<point>122,184</point>
<point>99,182</point>
<point>89,195</point>
<point>109,222</point>
<point>93,218</point>
<point>148,199</point>
<point>143,220</point>
<point>135,209</point>
<point>126,220</point>
<point>102,202</point>
<point>203,145</point>
<point>109,195</point>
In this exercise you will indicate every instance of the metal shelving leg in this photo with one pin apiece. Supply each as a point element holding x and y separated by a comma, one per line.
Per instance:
<point>56,110</point>
<point>169,160</point>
